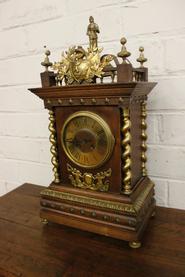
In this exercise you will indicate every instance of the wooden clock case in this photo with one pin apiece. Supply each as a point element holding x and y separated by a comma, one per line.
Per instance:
<point>114,198</point>
<point>123,211</point>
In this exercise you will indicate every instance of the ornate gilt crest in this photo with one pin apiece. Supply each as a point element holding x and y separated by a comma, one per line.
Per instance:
<point>79,65</point>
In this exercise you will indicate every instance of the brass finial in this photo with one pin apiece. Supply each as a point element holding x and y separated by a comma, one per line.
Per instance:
<point>123,53</point>
<point>46,63</point>
<point>141,58</point>
<point>92,31</point>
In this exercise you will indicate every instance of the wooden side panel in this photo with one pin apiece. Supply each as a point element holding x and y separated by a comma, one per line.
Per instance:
<point>135,117</point>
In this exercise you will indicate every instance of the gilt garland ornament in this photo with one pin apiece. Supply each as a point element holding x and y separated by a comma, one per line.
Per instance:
<point>88,180</point>
<point>78,65</point>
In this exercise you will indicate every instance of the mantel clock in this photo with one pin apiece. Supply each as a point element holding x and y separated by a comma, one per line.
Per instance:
<point>97,123</point>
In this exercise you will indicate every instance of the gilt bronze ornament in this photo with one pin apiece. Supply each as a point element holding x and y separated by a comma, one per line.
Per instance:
<point>80,66</point>
<point>88,180</point>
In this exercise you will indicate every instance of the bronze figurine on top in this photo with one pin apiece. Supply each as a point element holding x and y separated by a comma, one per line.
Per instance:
<point>92,31</point>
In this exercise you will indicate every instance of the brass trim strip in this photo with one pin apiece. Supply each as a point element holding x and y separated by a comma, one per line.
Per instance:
<point>144,138</point>
<point>53,149</point>
<point>117,206</point>
<point>126,168</point>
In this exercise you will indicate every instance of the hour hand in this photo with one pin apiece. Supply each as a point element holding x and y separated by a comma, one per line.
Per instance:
<point>74,142</point>
<point>69,140</point>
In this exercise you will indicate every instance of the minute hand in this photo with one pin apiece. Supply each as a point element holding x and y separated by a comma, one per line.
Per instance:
<point>69,140</point>
<point>74,142</point>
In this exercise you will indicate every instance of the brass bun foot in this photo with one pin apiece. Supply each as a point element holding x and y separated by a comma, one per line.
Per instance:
<point>44,221</point>
<point>135,244</point>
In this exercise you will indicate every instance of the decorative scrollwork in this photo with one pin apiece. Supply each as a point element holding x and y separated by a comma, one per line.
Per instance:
<point>126,168</point>
<point>53,149</point>
<point>144,138</point>
<point>81,66</point>
<point>89,180</point>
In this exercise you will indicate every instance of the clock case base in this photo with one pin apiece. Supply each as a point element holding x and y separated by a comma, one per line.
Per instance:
<point>118,216</point>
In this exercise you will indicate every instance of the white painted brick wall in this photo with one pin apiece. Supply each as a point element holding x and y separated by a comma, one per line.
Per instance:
<point>25,26</point>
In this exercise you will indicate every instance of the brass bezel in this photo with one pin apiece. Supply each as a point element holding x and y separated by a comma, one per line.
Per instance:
<point>106,128</point>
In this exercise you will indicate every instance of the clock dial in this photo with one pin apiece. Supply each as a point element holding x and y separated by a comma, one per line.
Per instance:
<point>87,139</point>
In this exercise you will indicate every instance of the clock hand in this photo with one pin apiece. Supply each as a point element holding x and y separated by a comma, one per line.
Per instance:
<point>74,141</point>
<point>87,140</point>
<point>69,140</point>
<point>79,143</point>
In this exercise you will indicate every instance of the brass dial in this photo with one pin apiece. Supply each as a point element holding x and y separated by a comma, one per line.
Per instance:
<point>87,139</point>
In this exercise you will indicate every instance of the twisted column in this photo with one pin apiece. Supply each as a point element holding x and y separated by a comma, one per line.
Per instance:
<point>53,149</point>
<point>144,138</point>
<point>126,151</point>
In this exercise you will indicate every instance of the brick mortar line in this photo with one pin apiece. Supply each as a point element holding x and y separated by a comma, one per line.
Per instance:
<point>35,139</point>
<point>19,161</point>
<point>152,145</point>
<point>166,112</point>
<point>162,179</point>
<point>39,112</point>
<point>27,161</point>
<point>30,23</point>
<point>164,35</point>
<point>14,111</point>
<point>159,77</point>
<point>20,85</point>
<point>167,179</point>
<point>25,137</point>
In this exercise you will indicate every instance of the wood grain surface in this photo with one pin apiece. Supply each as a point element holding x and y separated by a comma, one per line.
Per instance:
<point>27,248</point>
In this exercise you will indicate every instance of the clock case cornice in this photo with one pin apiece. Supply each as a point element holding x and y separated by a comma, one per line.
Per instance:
<point>95,94</point>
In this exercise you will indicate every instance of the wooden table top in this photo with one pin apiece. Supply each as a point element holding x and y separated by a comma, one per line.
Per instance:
<point>27,248</point>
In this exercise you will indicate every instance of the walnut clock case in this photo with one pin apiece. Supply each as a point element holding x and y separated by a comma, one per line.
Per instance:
<point>98,142</point>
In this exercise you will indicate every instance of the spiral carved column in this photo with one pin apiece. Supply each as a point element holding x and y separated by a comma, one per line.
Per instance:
<point>53,149</point>
<point>144,138</point>
<point>126,151</point>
